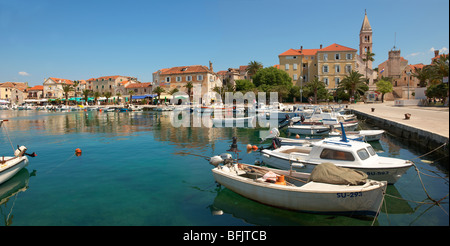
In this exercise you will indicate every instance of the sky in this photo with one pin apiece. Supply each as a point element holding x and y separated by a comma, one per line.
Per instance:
<point>88,39</point>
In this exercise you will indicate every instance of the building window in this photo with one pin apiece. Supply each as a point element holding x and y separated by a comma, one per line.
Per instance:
<point>338,68</point>
<point>286,67</point>
<point>167,79</point>
<point>325,69</point>
<point>325,80</point>
<point>188,78</point>
<point>348,68</point>
<point>325,57</point>
<point>305,65</point>
<point>178,78</point>
<point>295,66</point>
<point>295,76</point>
<point>337,56</point>
<point>336,81</point>
<point>199,77</point>
<point>349,56</point>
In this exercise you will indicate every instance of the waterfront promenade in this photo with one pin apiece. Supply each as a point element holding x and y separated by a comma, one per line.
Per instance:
<point>430,119</point>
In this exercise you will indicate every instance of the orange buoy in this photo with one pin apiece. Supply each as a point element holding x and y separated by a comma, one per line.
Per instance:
<point>297,136</point>
<point>78,152</point>
<point>280,180</point>
<point>249,146</point>
<point>255,147</point>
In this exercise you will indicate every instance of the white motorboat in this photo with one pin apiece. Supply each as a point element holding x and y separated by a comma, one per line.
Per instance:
<point>343,153</point>
<point>231,121</point>
<point>10,165</point>
<point>368,135</point>
<point>133,107</point>
<point>319,129</point>
<point>299,191</point>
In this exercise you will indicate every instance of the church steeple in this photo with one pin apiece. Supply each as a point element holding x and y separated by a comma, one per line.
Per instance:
<point>366,25</point>
<point>365,39</point>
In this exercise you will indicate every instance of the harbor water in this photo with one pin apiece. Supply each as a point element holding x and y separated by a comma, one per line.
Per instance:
<point>137,169</point>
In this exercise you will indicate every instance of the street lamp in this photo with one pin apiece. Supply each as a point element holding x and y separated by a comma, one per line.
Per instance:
<point>408,73</point>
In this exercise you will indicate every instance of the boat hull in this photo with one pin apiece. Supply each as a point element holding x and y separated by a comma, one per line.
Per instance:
<point>391,175</point>
<point>11,167</point>
<point>312,197</point>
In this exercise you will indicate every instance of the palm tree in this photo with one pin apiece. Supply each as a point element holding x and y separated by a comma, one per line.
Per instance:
<point>86,94</point>
<point>158,90</point>
<point>439,68</point>
<point>96,96</point>
<point>253,67</point>
<point>353,83</point>
<point>66,89</point>
<point>422,75</point>
<point>189,87</point>
<point>315,85</point>
<point>131,96</point>
<point>107,94</point>
<point>369,57</point>
<point>118,97</point>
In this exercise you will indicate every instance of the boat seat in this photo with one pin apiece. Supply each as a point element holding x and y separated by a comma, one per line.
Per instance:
<point>295,150</point>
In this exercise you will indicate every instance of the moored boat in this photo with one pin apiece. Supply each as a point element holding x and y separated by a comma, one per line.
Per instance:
<point>299,191</point>
<point>10,165</point>
<point>349,153</point>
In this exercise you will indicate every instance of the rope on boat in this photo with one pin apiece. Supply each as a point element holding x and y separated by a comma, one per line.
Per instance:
<point>383,201</point>
<point>7,134</point>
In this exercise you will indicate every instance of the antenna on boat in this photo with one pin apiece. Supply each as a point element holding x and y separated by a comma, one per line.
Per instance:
<point>344,137</point>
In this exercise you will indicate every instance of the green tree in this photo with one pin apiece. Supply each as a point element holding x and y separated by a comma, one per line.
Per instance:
<point>189,87</point>
<point>86,94</point>
<point>253,67</point>
<point>173,91</point>
<point>353,83</point>
<point>131,93</point>
<point>158,90</point>
<point>384,86</point>
<point>107,94</point>
<point>437,91</point>
<point>244,85</point>
<point>67,89</point>
<point>96,96</point>
<point>314,87</point>
<point>439,69</point>
<point>272,76</point>
<point>422,74</point>
<point>369,57</point>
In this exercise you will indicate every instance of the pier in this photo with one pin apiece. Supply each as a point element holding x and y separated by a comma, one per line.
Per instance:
<point>425,126</point>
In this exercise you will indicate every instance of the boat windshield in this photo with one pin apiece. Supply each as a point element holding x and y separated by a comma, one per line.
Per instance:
<point>336,155</point>
<point>363,154</point>
<point>371,151</point>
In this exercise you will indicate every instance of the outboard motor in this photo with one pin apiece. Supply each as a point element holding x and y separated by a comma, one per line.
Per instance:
<point>276,143</point>
<point>20,151</point>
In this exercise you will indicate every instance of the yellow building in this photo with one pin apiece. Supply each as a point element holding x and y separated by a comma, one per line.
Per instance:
<point>330,64</point>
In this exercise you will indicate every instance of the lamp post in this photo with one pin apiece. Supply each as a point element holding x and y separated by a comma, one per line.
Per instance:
<point>408,73</point>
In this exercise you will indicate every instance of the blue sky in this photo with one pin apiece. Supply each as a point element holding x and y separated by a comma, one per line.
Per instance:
<point>84,39</point>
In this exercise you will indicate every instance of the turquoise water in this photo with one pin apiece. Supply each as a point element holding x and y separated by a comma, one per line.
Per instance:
<point>134,170</point>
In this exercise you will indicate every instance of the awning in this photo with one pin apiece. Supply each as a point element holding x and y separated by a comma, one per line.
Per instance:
<point>145,96</point>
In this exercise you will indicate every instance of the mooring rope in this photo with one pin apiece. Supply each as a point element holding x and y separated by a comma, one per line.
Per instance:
<point>7,134</point>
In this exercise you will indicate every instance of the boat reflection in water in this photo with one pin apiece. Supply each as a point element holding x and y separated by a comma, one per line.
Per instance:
<point>9,191</point>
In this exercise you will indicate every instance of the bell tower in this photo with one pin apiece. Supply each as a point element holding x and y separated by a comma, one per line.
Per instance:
<point>365,39</point>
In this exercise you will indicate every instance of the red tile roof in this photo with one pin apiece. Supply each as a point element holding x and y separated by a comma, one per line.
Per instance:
<point>63,81</point>
<point>312,52</point>
<point>185,70</point>
<point>139,85</point>
<point>337,47</point>
<point>36,88</point>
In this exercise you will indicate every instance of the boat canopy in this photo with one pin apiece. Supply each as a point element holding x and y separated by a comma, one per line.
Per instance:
<point>327,172</point>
